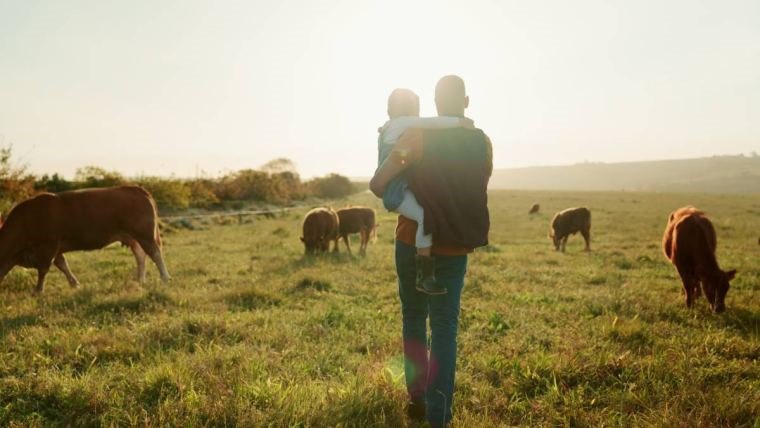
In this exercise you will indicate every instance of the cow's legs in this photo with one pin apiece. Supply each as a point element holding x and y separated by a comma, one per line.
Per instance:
<point>348,244</point>
<point>44,257</point>
<point>139,258</point>
<point>41,272</point>
<point>336,244</point>
<point>564,243</point>
<point>698,285</point>
<point>63,266</point>
<point>154,252</point>
<point>364,235</point>
<point>690,283</point>
<point>587,237</point>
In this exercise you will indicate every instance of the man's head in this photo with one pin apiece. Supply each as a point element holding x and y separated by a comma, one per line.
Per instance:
<point>403,102</point>
<point>450,96</point>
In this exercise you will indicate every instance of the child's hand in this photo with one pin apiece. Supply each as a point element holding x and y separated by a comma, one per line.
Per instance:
<point>466,122</point>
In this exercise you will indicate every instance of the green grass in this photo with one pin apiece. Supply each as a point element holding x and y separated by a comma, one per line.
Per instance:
<point>249,333</point>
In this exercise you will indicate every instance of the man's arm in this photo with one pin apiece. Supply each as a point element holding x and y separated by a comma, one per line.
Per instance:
<point>407,150</point>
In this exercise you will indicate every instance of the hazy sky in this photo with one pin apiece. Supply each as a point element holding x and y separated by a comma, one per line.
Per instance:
<point>162,87</point>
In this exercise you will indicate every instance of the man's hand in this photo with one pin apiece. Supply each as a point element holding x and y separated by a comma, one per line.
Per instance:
<point>393,166</point>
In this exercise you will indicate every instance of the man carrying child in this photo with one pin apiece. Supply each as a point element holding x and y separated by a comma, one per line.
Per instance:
<point>445,167</point>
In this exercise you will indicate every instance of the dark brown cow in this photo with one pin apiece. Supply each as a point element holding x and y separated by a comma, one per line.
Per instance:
<point>41,229</point>
<point>320,226</point>
<point>689,243</point>
<point>535,209</point>
<point>569,222</point>
<point>359,220</point>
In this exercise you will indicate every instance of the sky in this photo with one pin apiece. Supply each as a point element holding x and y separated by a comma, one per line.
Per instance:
<point>192,87</point>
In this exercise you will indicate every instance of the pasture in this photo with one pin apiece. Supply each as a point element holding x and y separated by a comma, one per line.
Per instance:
<point>249,333</point>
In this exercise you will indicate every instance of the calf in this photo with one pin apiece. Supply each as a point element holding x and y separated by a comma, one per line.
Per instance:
<point>320,226</point>
<point>359,220</point>
<point>535,209</point>
<point>689,243</point>
<point>569,222</point>
<point>39,230</point>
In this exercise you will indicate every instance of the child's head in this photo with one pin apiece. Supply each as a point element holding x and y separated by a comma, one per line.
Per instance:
<point>403,102</point>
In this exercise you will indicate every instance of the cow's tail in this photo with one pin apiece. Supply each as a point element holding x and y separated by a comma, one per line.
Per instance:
<point>588,225</point>
<point>156,221</point>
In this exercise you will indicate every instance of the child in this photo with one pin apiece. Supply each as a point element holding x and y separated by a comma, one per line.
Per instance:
<point>404,112</point>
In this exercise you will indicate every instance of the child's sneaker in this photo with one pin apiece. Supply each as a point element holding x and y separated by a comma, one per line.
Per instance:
<point>426,282</point>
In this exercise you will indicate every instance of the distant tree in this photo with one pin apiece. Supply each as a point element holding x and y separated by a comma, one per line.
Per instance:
<point>279,165</point>
<point>15,183</point>
<point>95,176</point>
<point>53,183</point>
<point>331,186</point>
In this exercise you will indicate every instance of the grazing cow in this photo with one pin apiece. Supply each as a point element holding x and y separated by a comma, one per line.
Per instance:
<point>535,209</point>
<point>689,243</point>
<point>359,220</point>
<point>39,230</point>
<point>569,222</point>
<point>320,226</point>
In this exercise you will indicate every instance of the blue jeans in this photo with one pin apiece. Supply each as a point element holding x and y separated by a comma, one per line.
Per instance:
<point>430,377</point>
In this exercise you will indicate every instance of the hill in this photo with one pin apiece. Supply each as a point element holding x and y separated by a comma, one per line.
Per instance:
<point>718,174</point>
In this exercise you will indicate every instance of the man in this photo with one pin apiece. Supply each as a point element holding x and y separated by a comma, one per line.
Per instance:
<point>448,171</point>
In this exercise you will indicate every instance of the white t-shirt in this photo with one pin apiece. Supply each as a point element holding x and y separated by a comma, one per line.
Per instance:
<point>392,130</point>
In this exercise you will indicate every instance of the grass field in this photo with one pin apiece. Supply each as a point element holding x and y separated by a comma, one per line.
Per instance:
<point>249,333</point>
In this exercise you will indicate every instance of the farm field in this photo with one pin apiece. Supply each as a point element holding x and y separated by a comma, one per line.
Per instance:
<point>250,333</point>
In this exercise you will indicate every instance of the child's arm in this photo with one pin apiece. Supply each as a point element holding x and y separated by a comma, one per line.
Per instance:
<point>407,151</point>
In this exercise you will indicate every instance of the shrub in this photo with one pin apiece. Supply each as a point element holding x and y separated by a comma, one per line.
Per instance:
<point>202,193</point>
<point>171,194</point>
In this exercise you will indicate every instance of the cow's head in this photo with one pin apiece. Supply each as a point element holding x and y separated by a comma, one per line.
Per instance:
<point>716,289</point>
<point>315,244</point>
<point>555,239</point>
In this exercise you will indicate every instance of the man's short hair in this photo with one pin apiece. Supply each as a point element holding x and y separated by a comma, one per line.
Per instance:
<point>403,102</point>
<point>450,90</point>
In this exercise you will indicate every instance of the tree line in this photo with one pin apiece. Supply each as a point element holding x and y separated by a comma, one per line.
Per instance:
<point>275,182</point>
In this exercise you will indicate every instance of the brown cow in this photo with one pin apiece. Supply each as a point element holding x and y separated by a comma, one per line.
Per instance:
<point>569,222</point>
<point>39,230</point>
<point>320,226</point>
<point>535,209</point>
<point>359,220</point>
<point>689,243</point>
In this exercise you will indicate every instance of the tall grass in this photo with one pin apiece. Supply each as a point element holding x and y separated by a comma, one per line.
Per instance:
<point>250,333</point>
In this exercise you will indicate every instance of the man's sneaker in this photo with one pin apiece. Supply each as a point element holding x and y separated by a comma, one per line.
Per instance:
<point>415,410</point>
<point>426,282</point>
